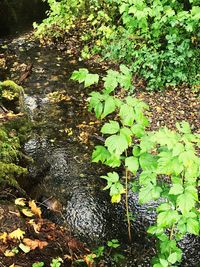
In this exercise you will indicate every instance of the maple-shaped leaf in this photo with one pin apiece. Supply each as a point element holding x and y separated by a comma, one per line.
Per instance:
<point>20,202</point>
<point>34,208</point>
<point>17,234</point>
<point>27,212</point>
<point>33,244</point>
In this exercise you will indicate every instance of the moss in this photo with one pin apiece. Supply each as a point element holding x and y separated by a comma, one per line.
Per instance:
<point>10,90</point>
<point>9,155</point>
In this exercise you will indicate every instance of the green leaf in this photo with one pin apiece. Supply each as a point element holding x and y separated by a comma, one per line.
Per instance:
<point>164,263</point>
<point>91,79</point>
<point>148,162</point>
<point>149,192</point>
<point>112,177</point>
<point>178,149</point>
<point>138,130</point>
<point>100,154</point>
<point>132,164</point>
<point>136,151</point>
<point>111,81</point>
<point>147,177</point>
<point>127,133</point>
<point>79,75</point>
<point>187,200</point>
<point>109,106</point>
<point>173,258</point>
<point>110,128</point>
<point>176,189</point>
<point>116,144</point>
<point>127,115</point>
<point>113,161</point>
<point>183,127</point>
<point>193,226</point>
<point>167,218</point>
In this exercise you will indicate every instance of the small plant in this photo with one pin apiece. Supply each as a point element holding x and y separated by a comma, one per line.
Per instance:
<point>38,264</point>
<point>151,155</point>
<point>56,262</point>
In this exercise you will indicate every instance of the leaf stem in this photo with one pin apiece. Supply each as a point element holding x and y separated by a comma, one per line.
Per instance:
<point>127,208</point>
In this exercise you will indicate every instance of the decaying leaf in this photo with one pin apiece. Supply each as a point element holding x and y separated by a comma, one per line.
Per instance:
<point>9,253</point>
<point>4,237</point>
<point>20,202</point>
<point>36,243</point>
<point>24,248</point>
<point>36,210</point>
<point>36,226</point>
<point>27,212</point>
<point>17,234</point>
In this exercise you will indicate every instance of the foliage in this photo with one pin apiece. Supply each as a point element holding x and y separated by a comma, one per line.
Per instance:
<point>9,154</point>
<point>165,161</point>
<point>109,249</point>
<point>10,90</point>
<point>157,38</point>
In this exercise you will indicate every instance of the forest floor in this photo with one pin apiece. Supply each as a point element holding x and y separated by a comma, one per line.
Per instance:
<point>46,239</point>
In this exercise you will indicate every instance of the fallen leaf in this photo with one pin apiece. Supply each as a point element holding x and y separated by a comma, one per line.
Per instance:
<point>33,244</point>
<point>36,210</point>
<point>13,265</point>
<point>4,237</point>
<point>36,226</point>
<point>25,249</point>
<point>20,202</point>
<point>27,212</point>
<point>17,234</point>
<point>9,253</point>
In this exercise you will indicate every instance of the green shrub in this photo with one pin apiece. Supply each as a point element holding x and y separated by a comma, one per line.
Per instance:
<point>166,162</point>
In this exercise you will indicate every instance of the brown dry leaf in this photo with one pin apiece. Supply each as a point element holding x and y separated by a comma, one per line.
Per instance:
<point>33,244</point>
<point>4,237</point>
<point>20,202</point>
<point>27,212</point>
<point>17,234</point>
<point>36,210</point>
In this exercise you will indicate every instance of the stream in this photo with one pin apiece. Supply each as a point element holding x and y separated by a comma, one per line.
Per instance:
<point>62,176</point>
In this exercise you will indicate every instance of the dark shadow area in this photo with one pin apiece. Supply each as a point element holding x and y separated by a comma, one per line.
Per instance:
<point>18,15</point>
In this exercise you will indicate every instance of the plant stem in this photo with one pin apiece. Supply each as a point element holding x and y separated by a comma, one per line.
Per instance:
<point>127,208</point>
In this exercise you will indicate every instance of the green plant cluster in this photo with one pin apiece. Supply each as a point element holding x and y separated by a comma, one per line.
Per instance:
<point>165,161</point>
<point>9,154</point>
<point>9,90</point>
<point>158,39</point>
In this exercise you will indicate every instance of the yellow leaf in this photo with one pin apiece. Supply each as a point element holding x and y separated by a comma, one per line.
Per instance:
<point>13,265</point>
<point>116,198</point>
<point>20,202</point>
<point>36,227</point>
<point>36,210</point>
<point>27,212</point>
<point>17,234</point>
<point>4,237</point>
<point>9,253</point>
